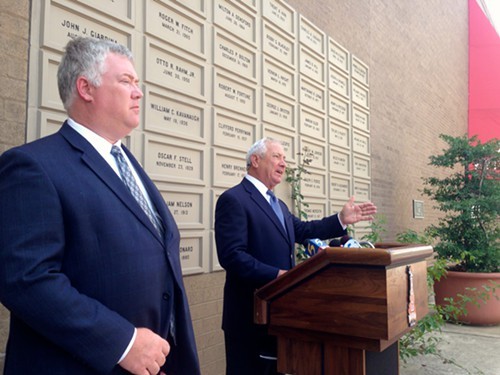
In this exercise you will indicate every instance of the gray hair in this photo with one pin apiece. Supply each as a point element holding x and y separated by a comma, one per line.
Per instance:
<point>259,148</point>
<point>84,57</point>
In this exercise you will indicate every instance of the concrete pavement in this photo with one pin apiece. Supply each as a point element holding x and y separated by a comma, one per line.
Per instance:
<point>463,350</point>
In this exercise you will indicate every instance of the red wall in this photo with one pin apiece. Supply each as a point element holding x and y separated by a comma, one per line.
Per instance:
<point>484,76</point>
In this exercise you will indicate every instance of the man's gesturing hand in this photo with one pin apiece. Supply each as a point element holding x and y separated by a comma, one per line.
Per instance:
<point>147,355</point>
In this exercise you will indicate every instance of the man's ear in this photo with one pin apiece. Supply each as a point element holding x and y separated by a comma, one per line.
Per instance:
<point>254,159</point>
<point>85,89</point>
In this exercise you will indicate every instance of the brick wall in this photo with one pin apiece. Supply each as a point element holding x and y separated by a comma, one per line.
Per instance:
<point>417,55</point>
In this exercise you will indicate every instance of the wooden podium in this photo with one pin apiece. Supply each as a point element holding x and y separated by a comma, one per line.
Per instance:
<point>343,310</point>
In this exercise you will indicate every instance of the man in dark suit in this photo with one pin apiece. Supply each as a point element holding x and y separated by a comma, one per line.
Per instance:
<point>255,247</point>
<point>89,267</point>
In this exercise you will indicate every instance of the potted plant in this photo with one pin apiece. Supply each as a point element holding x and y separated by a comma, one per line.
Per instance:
<point>468,232</point>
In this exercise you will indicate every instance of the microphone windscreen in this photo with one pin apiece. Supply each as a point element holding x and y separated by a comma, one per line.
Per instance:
<point>335,242</point>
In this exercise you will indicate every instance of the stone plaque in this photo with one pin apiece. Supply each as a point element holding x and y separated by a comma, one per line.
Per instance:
<point>315,211</point>
<point>277,45</point>
<point>61,25</point>
<point>280,14</point>
<point>361,190</point>
<point>236,20</point>
<point>312,95</point>
<point>361,166</point>
<point>340,161</point>
<point>191,252</point>
<point>338,55</point>
<point>277,111</point>
<point>338,108</point>
<point>233,94</point>
<point>197,6</point>
<point>228,168</point>
<point>359,71</point>
<point>339,134</point>
<point>311,36</point>
<point>175,27</point>
<point>166,115</point>
<point>278,78</point>
<point>122,10</point>
<point>360,95</point>
<point>234,57</point>
<point>232,132</point>
<point>338,81</point>
<point>313,185</point>
<point>340,188</point>
<point>360,118</point>
<point>50,123</point>
<point>173,71</point>
<point>311,65</point>
<point>49,97</point>
<point>336,206</point>
<point>312,124</point>
<point>187,207</point>
<point>317,152</point>
<point>173,162</point>
<point>286,139</point>
<point>360,143</point>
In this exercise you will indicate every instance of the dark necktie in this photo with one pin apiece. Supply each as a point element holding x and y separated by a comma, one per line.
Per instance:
<point>276,207</point>
<point>129,180</point>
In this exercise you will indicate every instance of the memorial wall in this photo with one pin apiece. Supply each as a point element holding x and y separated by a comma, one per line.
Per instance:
<point>218,75</point>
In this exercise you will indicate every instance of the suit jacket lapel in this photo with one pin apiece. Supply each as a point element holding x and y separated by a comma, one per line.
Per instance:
<point>264,205</point>
<point>101,168</point>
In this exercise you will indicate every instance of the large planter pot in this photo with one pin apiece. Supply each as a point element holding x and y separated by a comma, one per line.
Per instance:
<point>488,312</point>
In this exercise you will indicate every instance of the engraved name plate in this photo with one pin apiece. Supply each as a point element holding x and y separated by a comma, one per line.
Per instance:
<point>228,169</point>
<point>61,25</point>
<point>313,185</point>
<point>338,81</point>
<point>338,108</point>
<point>360,143</point>
<point>280,14</point>
<point>339,134</point>
<point>312,95</point>
<point>175,27</point>
<point>232,132</point>
<point>277,111</point>
<point>166,115</point>
<point>315,211</point>
<point>234,57</point>
<point>278,78</point>
<point>278,45</point>
<point>179,162</point>
<point>187,207</point>
<point>312,124</point>
<point>122,10</point>
<point>361,166</point>
<point>340,161</point>
<point>360,118</point>
<point>360,95</point>
<point>191,252</point>
<point>359,71</point>
<point>311,36</point>
<point>311,65</point>
<point>234,95</point>
<point>340,188</point>
<point>361,190</point>
<point>197,6</point>
<point>338,55</point>
<point>317,152</point>
<point>235,20</point>
<point>173,71</point>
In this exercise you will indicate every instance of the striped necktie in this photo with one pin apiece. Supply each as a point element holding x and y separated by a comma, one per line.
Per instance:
<point>129,180</point>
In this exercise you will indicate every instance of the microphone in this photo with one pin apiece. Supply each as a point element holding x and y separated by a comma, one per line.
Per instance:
<point>314,245</point>
<point>335,242</point>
